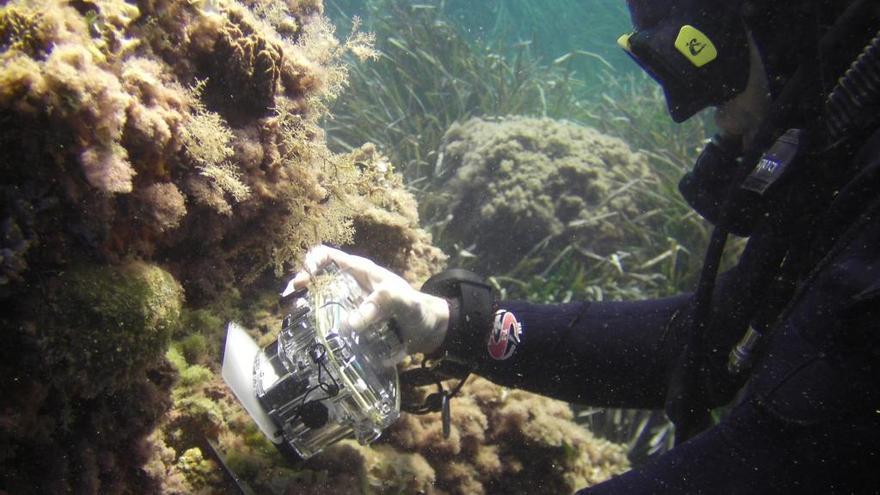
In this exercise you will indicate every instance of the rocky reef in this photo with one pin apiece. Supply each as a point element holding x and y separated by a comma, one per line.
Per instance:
<point>160,158</point>
<point>506,441</point>
<point>521,182</point>
<point>501,441</point>
<point>174,124</point>
<point>163,168</point>
<point>84,379</point>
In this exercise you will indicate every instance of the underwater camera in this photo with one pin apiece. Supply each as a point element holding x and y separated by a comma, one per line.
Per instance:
<point>319,381</point>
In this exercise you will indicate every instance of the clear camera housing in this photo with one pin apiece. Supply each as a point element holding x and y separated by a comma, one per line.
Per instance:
<point>319,381</point>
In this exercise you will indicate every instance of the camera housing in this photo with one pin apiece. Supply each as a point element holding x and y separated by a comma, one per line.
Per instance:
<point>318,382</point>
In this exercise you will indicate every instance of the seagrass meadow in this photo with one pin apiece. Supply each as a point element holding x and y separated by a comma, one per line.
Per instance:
<point>167,163</point>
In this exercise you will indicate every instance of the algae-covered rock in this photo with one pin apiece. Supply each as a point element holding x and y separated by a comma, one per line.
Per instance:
<point>386,221</point>
<point>182,130</point>
<point>108,323</point>
<point>83,366</point>
<point>348,467</point>
<point>197,470</point>
<point>243,66</point>
<point>518,182</point>
<point>501,441</point>
<point>508,441</point>
<point>185,134</point>
<point>84,378</point>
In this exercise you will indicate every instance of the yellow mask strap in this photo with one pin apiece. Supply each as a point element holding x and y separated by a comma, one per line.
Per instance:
<point>623,41</point>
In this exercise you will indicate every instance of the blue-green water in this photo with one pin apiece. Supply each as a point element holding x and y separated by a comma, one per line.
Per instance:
<point>552,28</point>
<point>445,61</point>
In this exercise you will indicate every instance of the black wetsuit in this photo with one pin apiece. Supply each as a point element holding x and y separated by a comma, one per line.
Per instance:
<point>806,417</point>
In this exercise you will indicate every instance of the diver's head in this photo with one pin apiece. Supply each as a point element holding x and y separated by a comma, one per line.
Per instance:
<point>698,50</point>
<point>731,54</point>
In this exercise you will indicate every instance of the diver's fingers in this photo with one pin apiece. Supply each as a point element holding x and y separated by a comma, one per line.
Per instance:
<point>318,257</point>
<point>300,280</point>
<point>366,273</point>
<point>315,260</point>
<point>375,308</point>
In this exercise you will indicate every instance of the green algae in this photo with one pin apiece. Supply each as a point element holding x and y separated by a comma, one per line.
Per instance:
<point>108,323</point>
<point>198,471</point>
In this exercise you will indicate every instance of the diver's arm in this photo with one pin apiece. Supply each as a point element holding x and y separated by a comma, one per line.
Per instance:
<point>601,353</point>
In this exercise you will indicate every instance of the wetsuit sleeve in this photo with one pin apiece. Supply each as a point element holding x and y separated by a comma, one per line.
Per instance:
<point>614,354</point>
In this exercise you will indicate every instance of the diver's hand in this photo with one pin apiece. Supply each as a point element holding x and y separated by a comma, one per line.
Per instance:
<point>421,318</point>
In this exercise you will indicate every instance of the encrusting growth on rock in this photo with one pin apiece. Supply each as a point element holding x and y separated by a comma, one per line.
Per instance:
<point>518,182</point>
<point>501,441</point>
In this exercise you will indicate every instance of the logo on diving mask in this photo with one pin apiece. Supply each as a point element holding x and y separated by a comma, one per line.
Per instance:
<point>695,46</point>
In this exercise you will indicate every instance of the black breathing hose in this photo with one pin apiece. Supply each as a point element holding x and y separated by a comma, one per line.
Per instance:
<point>854,102</point>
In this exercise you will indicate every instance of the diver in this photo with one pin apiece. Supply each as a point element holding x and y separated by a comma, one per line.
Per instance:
<point>789,339</point>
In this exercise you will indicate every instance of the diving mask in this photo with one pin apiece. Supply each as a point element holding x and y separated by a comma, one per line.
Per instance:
<point>698,51</point>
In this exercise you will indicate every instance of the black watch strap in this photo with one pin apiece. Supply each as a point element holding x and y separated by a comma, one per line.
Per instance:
<point>470,313</point>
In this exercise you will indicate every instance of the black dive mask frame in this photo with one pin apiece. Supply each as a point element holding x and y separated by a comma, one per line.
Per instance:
<point>700,55</point>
